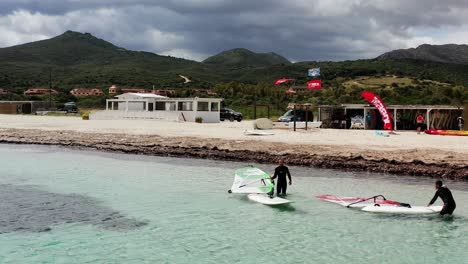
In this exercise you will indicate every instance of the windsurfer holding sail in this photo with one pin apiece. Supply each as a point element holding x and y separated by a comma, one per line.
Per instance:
<point>446,195</point>
<point>281,171</point>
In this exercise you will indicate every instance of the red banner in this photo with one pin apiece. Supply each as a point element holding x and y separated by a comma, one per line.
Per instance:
<point>314,84</point>
<point>284,80</point>
<point>375,100</point>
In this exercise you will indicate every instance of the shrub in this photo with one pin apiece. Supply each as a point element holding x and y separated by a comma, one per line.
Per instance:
<point>85,116</point>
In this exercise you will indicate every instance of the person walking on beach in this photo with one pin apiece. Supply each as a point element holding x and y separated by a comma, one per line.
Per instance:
<point>446,195</point>
<point>281,171</point>
<point>368,120</point>
<point>419,122</point>
<point>398,121</point>
<point>461,123</point>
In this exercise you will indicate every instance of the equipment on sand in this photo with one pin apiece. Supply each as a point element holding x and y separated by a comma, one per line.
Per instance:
<point>446,132</point>
<point>263,124</point>
<point>257,133</point>
<point>379,133</point>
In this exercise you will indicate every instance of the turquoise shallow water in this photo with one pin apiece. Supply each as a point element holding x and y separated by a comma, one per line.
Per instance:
<point>64,206</point>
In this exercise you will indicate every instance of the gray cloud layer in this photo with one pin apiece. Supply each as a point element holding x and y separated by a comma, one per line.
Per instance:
<point>195,29</point>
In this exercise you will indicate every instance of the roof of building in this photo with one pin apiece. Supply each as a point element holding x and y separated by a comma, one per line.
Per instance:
<point>143,95</point>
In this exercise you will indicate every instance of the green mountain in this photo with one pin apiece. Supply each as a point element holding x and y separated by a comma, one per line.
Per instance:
<point>244,58</point>
<point>70,48</point>
<point>450,53</point>
<point>82,59</point>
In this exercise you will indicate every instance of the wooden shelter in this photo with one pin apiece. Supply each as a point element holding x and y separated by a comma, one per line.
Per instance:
<point>403,116</point>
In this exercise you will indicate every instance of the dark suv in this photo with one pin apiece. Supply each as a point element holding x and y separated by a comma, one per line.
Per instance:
<point>300,116</point>
<point>69,107</point>
<point>230,115</point>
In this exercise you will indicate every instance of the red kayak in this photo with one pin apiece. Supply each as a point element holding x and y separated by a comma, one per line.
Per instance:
<point>446,132</point>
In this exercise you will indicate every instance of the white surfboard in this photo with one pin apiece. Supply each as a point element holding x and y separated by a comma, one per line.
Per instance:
<point>257,133</point>
<point>265,199</point>
<point>402,209</point>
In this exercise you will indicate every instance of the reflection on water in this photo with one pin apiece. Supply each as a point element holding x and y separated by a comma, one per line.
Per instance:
<point>28,209</point>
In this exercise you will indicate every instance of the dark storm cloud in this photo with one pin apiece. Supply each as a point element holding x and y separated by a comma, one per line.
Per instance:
<point>298,29</point>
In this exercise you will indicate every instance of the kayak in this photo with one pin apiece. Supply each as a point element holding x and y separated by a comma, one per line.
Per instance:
<point>446,132</point>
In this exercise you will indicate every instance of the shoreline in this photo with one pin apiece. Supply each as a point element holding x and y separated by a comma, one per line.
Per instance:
<point>397,162</point>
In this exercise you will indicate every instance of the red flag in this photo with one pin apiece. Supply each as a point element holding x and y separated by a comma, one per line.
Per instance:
<point>284,80</point>
<point>314,84</point>
<point>377,102</point>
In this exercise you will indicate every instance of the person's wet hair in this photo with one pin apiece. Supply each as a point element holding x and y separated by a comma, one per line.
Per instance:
<point>438,183</point>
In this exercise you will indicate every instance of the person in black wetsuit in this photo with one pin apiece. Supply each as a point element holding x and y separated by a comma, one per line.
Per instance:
<point>446,195</point>
<point>281,171</point>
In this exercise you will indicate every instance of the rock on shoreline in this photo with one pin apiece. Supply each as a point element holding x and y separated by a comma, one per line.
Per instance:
<point>241,150</point>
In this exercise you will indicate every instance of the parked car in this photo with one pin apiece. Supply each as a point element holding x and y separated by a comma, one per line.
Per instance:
<point>300,116</point>
<point>230,115</point>
<point>70,107</point>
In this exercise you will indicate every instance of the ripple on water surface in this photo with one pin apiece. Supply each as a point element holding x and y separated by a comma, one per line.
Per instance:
<point>117,208</point>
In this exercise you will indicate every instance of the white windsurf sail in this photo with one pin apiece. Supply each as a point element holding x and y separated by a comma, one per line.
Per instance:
<point>251,180</point>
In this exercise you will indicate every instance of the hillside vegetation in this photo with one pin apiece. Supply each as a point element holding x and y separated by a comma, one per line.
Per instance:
<point>242,77</point>
<point>449,53</point>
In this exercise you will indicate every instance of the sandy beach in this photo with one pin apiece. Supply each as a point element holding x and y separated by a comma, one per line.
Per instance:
<point>405,153</point>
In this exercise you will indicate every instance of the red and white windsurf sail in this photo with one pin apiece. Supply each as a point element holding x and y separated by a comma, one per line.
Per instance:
<point>358,202</point>
<point>377,102</point>
<point>283,80</point>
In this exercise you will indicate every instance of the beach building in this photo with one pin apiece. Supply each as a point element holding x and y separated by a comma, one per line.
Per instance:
<point>162,92</point>
<point>40,91</point>
<point>114,89</point>
<point>24,107</point>
<point>207,92</point>
<point>298,89</point>
<point>403,116</point>
<point>81,92</point>
<point>4,92</point>
<point>153,106</point>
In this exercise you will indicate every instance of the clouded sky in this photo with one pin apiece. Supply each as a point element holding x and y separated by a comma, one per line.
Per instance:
<point>195,29</point>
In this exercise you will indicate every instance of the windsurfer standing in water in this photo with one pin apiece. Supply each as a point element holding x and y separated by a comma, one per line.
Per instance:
<point>446,195</point>
<point>281,171</point>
